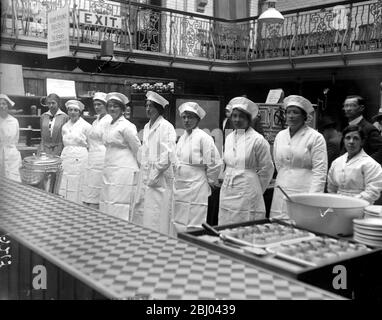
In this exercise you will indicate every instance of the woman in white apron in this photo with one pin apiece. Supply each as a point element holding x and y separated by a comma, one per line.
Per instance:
<point>355,173</point>
<point>92,183</point>
<point>152,207</point>
<point>10,158</point>
<point>300,156</point>
<point>75,153</point>
<point>248,167</point>
<point>120,173</point>
<point>198,167</point>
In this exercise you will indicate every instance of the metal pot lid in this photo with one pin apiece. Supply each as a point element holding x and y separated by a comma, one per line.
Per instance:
<point>42,159</point>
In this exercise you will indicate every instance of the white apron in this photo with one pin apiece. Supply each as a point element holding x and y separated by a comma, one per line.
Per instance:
<point>191,192</point>
<point>120,173</point>
<point>241,197</point>
<point>92,183</point>
<point>120,176</point>
<point>153,202</point>
<point>301,162</point>
<point>249,170</point>
<point>74,159</point>
<point>10,158</point>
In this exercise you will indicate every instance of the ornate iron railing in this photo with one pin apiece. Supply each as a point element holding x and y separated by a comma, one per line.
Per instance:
<point>346,26</point>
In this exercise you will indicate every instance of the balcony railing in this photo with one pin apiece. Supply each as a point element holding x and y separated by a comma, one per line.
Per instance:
<point>347,26</point>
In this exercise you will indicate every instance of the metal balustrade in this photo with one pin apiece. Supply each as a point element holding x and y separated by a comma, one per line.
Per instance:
<point>342,27</point>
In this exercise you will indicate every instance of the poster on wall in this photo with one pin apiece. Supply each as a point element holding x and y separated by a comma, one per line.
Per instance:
<point>11,79</point>
<point>58,33</point>
<point>63,88</point>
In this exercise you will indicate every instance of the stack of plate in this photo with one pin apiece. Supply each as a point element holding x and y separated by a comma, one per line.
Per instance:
<point>368,231</point>
<point>373,212</point>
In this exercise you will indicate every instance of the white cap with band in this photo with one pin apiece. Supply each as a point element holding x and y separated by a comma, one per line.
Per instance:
<point>192,107</point>
<point>245,105</point>
<point>153,96</point>
<point>5,97</point>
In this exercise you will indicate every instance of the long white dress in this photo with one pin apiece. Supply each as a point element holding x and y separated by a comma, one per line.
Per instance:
<point>360,177</point>
<point>74,158</point>
<point>10,158</point>
<point>120,173</point>
<point>198,166</point>
<point>92,183</point>
<point>248,172</point>
<point>152,207</point>
<point>301,162</point>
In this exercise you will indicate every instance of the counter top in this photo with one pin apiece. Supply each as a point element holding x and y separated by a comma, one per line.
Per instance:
<point>121,260</point>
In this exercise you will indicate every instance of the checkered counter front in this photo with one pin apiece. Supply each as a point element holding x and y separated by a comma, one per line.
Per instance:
<point>122,260</point>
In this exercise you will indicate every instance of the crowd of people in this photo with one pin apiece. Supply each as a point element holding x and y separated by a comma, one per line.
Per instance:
<point>164,184</point>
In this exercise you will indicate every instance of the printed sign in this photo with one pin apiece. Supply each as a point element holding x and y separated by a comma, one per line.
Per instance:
<point>100,20</point>
<point>64,88</point>
<point>58,33</point>
<point>11,79</point>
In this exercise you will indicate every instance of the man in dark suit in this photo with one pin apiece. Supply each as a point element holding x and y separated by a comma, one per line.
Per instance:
<point>353,108</point>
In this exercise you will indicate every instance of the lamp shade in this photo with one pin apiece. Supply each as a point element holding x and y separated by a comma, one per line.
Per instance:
<point>271,15</point>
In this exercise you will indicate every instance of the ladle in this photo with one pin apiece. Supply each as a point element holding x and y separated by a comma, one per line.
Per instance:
<point>285,194</point>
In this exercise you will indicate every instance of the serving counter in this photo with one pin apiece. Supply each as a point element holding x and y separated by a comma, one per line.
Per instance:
<point>98,256</point>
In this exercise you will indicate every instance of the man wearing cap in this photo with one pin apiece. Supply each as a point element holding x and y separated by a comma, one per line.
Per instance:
<point>248,167</point>
<point>300,156</point>
<point>10,158</point>
<point>75,153</point>
<point>152,207</point>
<point>353,109</point>
<point>92,182</point>
<point>197,170</point>
<point>121,170</point>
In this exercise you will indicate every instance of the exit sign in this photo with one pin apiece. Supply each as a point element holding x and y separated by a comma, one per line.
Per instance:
<point>100,20</point>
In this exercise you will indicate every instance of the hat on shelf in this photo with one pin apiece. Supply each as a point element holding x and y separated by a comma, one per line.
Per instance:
<point>117,96</point>
<point>153,96</point>
<point>75,104</point>
<point>100,96</point>
<point>245,105</point>
<point>5,97</point>
<point>192,107</point>
<point>298,101</point>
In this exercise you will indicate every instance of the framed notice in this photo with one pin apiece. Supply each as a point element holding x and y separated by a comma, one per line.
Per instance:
<point>11,79</point>
<point>58,33</point>
<point>63,88</point>
<point>275,96</point>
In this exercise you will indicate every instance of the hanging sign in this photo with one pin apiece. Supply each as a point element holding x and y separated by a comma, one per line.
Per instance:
<point>100,20</point>
<point>58,33</point>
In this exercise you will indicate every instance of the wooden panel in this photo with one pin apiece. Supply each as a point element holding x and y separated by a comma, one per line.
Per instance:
<point>66,286</point>
<point>25,273</point>
<point>52,281</point>
<point>13,277</point>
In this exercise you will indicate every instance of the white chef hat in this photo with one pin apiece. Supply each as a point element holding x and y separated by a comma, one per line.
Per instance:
<point>100,96</point>
<point>5,97</point>
<point>192,107</point>
<point>75,104</point>
<point>153,96</point>
<point>245,105</point>
<point>300,102</point>
<point>117,96</point>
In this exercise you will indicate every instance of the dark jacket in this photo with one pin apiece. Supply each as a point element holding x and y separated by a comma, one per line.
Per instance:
<point>373,140</point>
